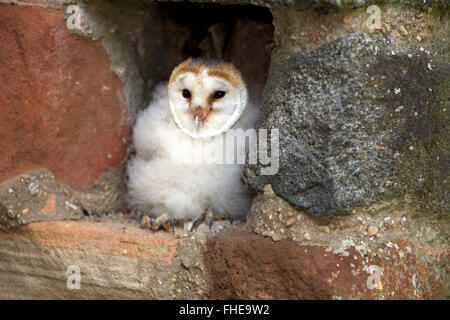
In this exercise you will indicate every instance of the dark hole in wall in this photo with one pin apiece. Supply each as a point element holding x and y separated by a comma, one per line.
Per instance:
<point>199,17</point>
<point>171,32</point>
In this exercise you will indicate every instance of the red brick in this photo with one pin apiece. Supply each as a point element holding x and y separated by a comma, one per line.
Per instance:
<point>102,238</point>
<point>246,266</point>
<point>61,106</point>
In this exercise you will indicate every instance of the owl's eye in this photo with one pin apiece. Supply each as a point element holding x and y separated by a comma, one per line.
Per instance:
<point>219,94</point>
<point>186,94</point>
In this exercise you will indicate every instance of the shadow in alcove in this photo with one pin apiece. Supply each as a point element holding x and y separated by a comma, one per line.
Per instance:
<point>172,32</point>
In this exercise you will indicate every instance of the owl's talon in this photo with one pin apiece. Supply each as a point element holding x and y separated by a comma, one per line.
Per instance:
<point>192,224</point>
<point>146,222</point>
<point>162,222</point>
<point>172,224</point>
<point>152,225</point>
<point>208,216</point>
<point>199,218</point>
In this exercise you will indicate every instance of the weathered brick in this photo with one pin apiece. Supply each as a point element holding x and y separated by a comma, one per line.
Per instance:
<point>62,107</point>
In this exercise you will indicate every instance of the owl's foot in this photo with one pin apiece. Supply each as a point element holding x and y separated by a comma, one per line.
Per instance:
<point>209,217</point>
<point>162,222</point>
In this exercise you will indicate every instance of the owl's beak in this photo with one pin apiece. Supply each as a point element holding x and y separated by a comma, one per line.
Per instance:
<point>198,123</point>
<point>200,116</point>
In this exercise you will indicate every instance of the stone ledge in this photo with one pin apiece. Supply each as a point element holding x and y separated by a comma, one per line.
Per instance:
<point>118,260</point>
<point>97,238</point>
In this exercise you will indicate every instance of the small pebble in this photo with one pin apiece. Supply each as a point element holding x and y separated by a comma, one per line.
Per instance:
<point>307,236</point>
<point>71,206</point>
<point>372,231</point>
<point>325,229</point>
<point>290,222</point>
<point>268,191</point>
<point>388,222</point>
<point>276,237</point>
<point>403,31</point>
<point>33,189</point>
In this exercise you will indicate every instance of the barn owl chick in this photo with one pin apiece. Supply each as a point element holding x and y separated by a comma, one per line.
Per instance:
<point>186,119</point>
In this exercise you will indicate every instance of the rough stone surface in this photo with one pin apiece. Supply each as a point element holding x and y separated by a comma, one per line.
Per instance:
<point>35,196</point>
<point>271,216</point>
<point>323,3</point>
<point>362,118</point>
<point>117,260</point>
<point>246,266</point>
<point>408,245</point>
<point>62,107</point>
<point>328,4</point>
<point>107,194</point>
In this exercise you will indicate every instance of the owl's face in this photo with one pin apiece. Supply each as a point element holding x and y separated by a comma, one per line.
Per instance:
<point>206,99</point>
